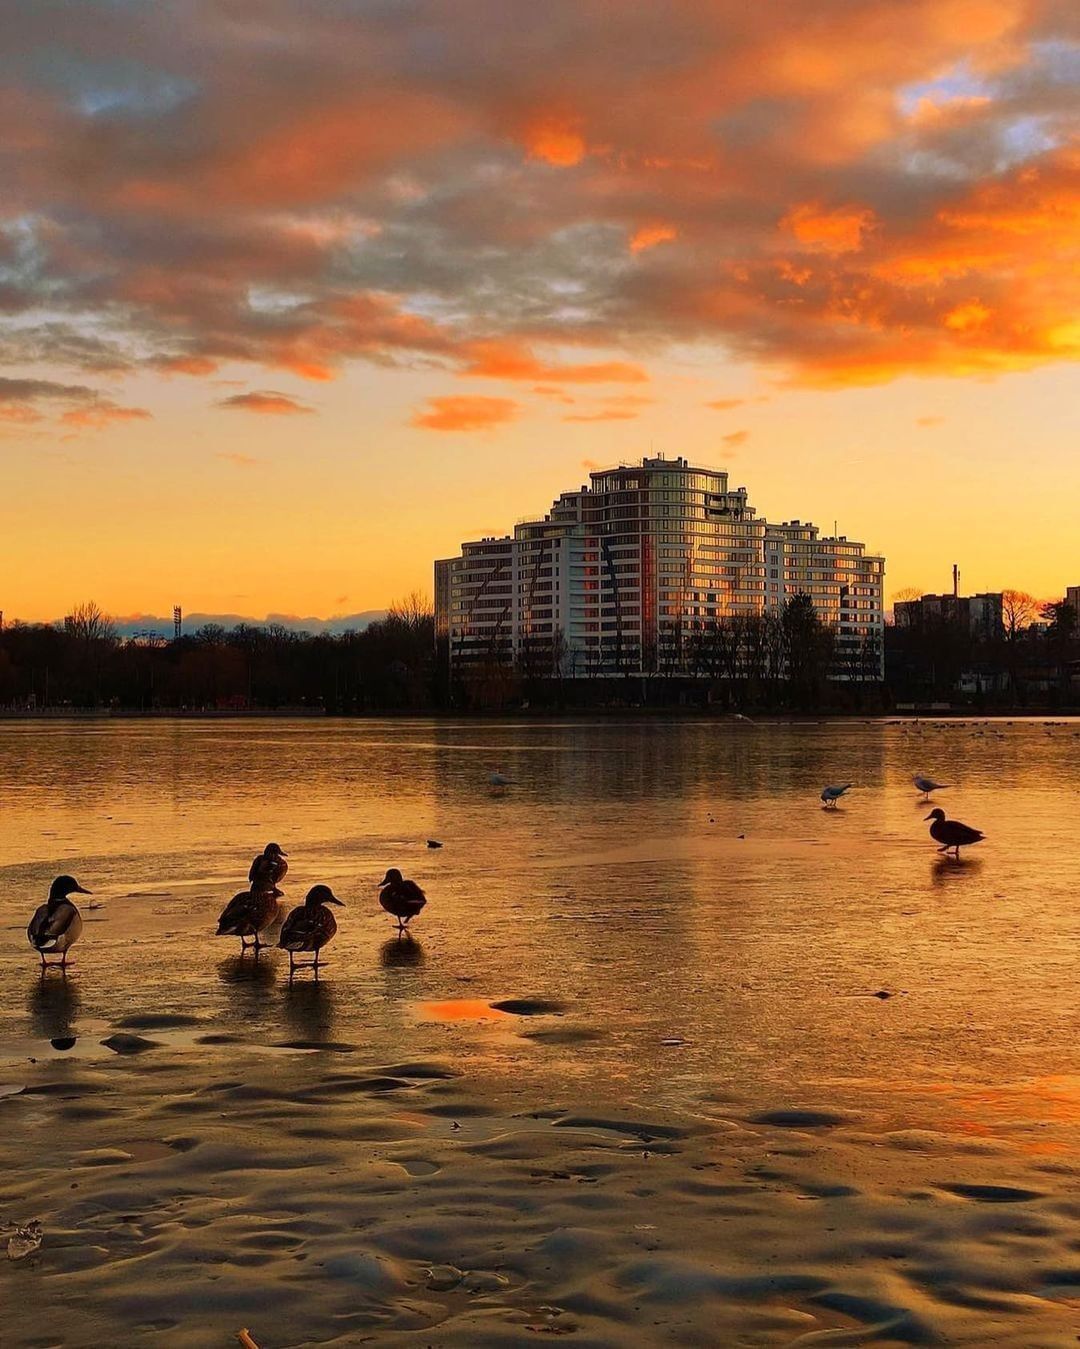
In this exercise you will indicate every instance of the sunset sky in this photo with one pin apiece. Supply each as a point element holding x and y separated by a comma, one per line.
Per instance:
<point>294,297</point>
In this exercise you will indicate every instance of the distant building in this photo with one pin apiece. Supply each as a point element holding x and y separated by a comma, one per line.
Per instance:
<point>624,572</point>
<point>1072,599</point>
<point>980,615</point>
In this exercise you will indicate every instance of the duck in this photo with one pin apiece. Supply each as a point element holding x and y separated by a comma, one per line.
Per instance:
<point>401,898</point>
<point>497,779</point>
<point>927,785</point>
<point>830,795</point>
<point>951,834</point>
<point>57,924</point>
<point>268,868</point>
<point>310,926</point>
<point>246,915</point>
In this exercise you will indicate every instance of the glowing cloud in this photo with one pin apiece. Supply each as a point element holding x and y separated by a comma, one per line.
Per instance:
<point>465,414</point>
<point>265,402</point>
<point>648,236</point>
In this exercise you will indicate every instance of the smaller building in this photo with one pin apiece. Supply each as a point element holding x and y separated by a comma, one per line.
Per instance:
<point>980,615</point>
<point>1072,599</point>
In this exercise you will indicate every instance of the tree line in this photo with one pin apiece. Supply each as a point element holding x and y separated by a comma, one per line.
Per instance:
<point>1033,661</point>
<point>82,663</point>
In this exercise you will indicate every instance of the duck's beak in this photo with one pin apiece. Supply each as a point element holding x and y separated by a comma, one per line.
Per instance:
<point>334,900</point>
<point>928,817</point>
<point>80,891</point>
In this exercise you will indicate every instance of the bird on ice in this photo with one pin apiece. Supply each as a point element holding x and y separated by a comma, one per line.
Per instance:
<point>310,926</point>
<point>268,868</point>
<point>951,834</point>
<point>927,785</point>
<point>401,898</point>
<point>830,795</point>
<point>246,915</point>
<point>57,924</point>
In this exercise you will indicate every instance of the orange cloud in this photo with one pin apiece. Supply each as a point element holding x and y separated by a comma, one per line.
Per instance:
<point>187,365</point>
<point>513,360</point>
<point>648,236</point>
<point>928,421</point>
<point>465,414</point>
<point>97,416</point>
<point>265,402</point>
<point>555,139</point>
<point>734,438</point>
<point>726,404</point>
<point>837,231</point>
<point>967,317</point>
<point>235,457</point>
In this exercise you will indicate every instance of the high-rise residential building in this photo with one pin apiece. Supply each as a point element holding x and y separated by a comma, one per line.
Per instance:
<point>1072,598</point>
<point>630,572</point>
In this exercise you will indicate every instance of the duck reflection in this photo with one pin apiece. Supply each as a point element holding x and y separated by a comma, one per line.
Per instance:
<point>401,953</point>
<point>309,1010</point>
<point>946,870</point>
<point>53,1005</point>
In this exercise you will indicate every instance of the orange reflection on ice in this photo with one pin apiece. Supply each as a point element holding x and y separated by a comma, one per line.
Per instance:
<point>461,1009</point>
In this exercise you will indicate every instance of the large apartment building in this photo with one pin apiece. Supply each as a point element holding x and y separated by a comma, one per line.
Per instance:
<point>627,573</point>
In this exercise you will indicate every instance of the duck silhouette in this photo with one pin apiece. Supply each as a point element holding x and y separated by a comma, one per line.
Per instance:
<point>401,898</point>
<point>246,915</point>
<point>57,924</point>
<point>268,868</point>
<point>309,927</point>
<point>951,834</point>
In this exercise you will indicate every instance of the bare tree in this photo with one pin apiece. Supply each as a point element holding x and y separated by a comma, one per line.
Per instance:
<point>1018,611</point>
<point>90,623</point>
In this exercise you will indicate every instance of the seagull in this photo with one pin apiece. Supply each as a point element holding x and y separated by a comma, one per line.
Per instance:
<point>247,914</point>
<point>498,779</point>
<point>310,926</point>
<point>830,795</point>
<point>56,924</point>
<point>951,834</point>
<point>927,785</point>
<point>268,868</point>
<point>401,898</point>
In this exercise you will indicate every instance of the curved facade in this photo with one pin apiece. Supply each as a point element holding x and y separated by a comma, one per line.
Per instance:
<point>625,574</point>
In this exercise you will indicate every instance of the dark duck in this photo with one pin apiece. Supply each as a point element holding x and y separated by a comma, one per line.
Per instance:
<point>401,898</point>
<point>310,927</point>
<point>269,868</point>
<point>951,834</point>
<point>57,924</point>
<point>246,915</point>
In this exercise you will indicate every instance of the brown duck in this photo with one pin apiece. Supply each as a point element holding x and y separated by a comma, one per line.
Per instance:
<point>269,868</point>
<point>401,898</point>
<point>951,834</point>
<point>57,924</point>
<point>246,915</point>
<point>309,927</point>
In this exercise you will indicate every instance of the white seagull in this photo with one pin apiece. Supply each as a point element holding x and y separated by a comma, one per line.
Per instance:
<point>830,795</point>
<point>927,785</point>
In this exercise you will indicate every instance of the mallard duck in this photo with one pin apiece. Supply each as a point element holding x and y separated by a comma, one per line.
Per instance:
<point>927,785</point>
<point>246,915</point>
<point>951,834</point>
<point>268,868</point>
<point>311,926</point>
<point>401,898</point>
<point>830,795</point>
<point>57,924</point>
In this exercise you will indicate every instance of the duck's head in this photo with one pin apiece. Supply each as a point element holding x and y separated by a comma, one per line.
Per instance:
<point>64,886</point>
<point>937,814</point>
<point>274,850</point>
<point>392,877</point>
<point>322,894</point>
